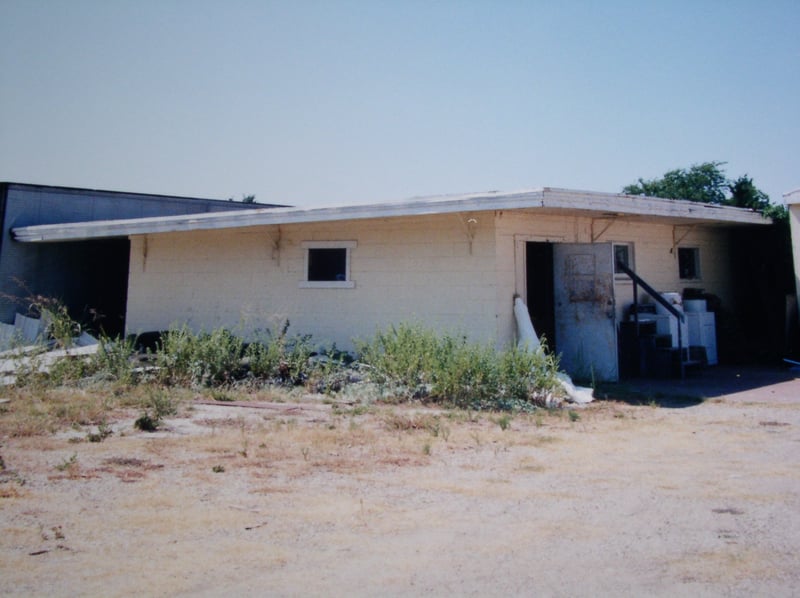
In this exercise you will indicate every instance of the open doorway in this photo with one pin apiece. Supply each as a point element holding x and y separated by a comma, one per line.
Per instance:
<point>539,290</point>
<point>91,278</point>
<point>570,295</point>
<point>107,284</point>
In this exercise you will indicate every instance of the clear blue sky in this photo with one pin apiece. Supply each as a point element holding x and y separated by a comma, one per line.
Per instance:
<point>328,102</point>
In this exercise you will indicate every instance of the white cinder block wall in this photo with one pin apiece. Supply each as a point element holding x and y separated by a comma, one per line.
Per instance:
<point>793,203</point>
<point>653,256</point>
<point>656,260</point>
<point>416,268</point>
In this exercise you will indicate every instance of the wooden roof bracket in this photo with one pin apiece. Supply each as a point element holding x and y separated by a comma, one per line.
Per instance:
<point>276,247</point>
<point>470,224</point>
<point>596,235</point>
<point>678,240</point>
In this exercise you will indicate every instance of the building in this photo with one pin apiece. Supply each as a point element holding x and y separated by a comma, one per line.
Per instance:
<point>792,200</point>
<point>91,274</point>
<point>452,262</point>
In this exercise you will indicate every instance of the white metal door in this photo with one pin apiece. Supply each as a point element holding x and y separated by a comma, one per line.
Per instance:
<point>586,332</point>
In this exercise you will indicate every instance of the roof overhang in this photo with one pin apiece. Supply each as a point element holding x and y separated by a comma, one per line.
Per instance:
<point>546,200</point>
<point>792,197</point>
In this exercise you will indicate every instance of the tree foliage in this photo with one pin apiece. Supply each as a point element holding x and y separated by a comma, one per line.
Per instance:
<point>708,183</point>
<point>754,328</point>
<point>704,182</point>
<point>744,194</point>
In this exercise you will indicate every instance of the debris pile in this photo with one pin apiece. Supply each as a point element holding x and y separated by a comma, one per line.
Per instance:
<point>528,340</point>
<point>24,346</point>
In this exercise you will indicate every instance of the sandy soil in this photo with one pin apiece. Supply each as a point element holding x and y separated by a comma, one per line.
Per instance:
<point>308,499</point>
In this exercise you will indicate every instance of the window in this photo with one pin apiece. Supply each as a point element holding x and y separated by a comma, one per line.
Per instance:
<point>689,263</point>
<point>327,265</point>
<point>623,254</point>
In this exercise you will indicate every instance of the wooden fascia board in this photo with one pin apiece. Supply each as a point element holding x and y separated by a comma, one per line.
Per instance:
<point>637,205</point>
<point>260,217</point>
<point>568,202</point>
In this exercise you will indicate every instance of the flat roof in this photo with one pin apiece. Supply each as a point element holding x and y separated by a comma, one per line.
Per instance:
<point>33,187</point>
<point>543,200</point>
<point>792,197</point>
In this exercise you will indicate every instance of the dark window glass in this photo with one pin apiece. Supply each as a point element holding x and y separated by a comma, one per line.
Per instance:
<point>327,264</point>
<point>621,256</point>
<point>688,262</point>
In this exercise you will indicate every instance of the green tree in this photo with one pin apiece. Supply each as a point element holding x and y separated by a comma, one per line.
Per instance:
<point>704,182</point>
<point>707,183</point>
<point>754,327</point>
<point>744,194</point>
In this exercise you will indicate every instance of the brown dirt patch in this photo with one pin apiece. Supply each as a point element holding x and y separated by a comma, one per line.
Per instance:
<point>301,499</point>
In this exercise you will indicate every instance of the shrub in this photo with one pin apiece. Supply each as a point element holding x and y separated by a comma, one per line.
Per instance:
<point>276,356</point>
<point>112,361</point>
<point>113,358</point>
<point>202,358</point>
<point>404,358</point>
<point>410,361</point>
<point>156,406</point>
<point>66,370</point>
<point>220,357</point>
<point>60,326</point>
<point>329,372</point>
<point>146,423</point>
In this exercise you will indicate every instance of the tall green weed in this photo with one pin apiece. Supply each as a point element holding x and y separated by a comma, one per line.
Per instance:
<point>278,357</point>
<point>220,357</point>
<point>199,358</point>
<point>411,361</point>
<point>403,358</point>
<point>114,359</point>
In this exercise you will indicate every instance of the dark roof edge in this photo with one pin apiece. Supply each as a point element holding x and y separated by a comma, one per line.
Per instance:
<point>234,204</point>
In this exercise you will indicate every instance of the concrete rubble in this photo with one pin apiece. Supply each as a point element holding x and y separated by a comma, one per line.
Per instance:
<point>36,354</point>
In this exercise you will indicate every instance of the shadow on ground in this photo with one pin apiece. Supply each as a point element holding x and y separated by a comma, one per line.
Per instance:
<point>752,383</point>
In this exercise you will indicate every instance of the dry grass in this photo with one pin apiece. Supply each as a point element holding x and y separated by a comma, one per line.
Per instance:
<point>42,410</point>
<point>266,433</point>
<point>308,494</point>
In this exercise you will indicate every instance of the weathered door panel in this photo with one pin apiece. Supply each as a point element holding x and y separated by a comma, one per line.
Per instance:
<point>586,333</point>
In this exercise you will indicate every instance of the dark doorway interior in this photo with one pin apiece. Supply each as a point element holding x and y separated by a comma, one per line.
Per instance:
<point>539,283</point>
<point>107,283</point>
<point>91,277</point>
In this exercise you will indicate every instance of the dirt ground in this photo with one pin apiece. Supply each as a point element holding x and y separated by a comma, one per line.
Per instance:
<point>673,496</point>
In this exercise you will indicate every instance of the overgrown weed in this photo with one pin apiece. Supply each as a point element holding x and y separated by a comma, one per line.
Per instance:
<point>68,464</point>
<point>204,359</point>
<point>276,356</point>
<point>159,403</point>
<point>413,362</point>
<point>114,359</point>
<point>403,363</point>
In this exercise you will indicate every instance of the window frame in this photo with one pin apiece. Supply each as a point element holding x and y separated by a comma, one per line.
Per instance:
<point>698,272</point>
<point>347,283</point>
<point>621,276</point>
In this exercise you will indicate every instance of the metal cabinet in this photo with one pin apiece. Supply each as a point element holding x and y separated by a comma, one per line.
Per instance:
<point>668,324</point>
<point>703,332</point>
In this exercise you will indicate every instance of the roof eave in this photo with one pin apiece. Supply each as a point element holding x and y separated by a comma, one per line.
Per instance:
<point>792,197</point>
<point>264,217</point>
<point>601,204</point>
<point>654,207</point>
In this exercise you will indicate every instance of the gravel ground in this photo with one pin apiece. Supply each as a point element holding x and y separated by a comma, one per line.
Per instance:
<point>659,494</point>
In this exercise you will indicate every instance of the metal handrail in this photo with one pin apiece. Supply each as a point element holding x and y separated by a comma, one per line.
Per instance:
<point>639,281</point>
